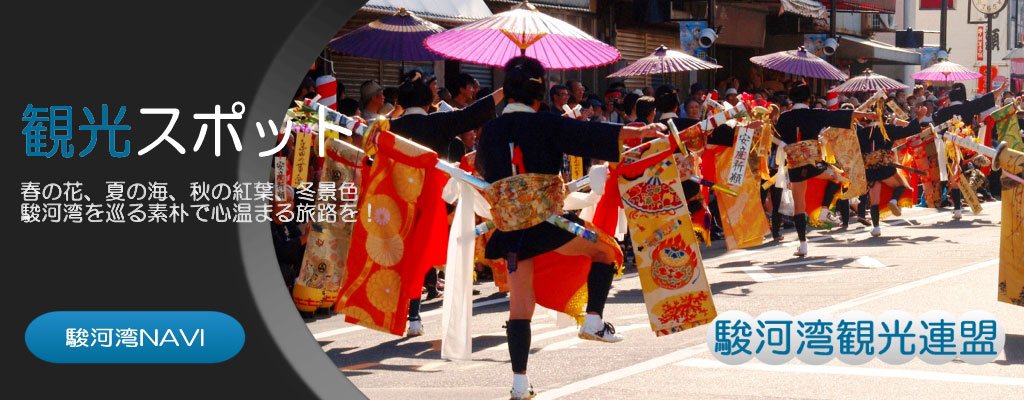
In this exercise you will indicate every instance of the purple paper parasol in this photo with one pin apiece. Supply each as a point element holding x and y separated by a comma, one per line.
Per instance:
<point>800,62</point>
<point>946,71</point>
<point>868,82</point>
<point>664,61</point>
<point>395,38</point>
<point>522,30</point>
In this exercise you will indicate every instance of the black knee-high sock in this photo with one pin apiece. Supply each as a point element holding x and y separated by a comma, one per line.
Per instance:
<point>897,192</point>
<point>862,208</point>
<point>430,279</point>
<point>800,220</point>
<point>831,188</point>
<point>414,309</point>
<point>776,194</point>
<point>518,333</point>
<point>958,199</point>
<point>599,282</point>
<point>844,210</point>
<point>874,215</point>
<point>776,224</point>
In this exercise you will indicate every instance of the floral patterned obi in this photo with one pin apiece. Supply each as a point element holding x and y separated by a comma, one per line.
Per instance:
<point>525,200</point>
<point>879,159</point>
<point>802,153</point>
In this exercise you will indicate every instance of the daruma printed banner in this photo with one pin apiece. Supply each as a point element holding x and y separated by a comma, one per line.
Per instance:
<point>675,287</point>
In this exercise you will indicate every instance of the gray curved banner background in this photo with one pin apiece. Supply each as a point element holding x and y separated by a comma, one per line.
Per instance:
<point>286,327</point>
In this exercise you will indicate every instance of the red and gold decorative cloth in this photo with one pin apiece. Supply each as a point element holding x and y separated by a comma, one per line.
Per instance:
<point>560,282</point>
<point>401,233</point>
<point>920,153</point>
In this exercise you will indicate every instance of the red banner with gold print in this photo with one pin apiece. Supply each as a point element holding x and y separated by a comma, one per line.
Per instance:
<point>401,233</point>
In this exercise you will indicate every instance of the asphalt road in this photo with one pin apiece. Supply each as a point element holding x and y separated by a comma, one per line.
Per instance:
<point>924,261</point>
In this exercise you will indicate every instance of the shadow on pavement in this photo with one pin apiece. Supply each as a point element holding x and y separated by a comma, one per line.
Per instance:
<point>1014,350</point>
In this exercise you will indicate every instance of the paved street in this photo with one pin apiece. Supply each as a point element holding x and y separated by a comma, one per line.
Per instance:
<point>924,261</point>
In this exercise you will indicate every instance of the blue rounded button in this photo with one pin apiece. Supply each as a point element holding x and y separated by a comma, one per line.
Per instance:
<point>134,337</point>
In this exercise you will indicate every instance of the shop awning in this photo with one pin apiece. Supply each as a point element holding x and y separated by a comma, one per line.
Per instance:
<point>440,10</point>
<point>820,9</point>
<point>570,5</point>
<point>877,52</point>
<point>864,6</point>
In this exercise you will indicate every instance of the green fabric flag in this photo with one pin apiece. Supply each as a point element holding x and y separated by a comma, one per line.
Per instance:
<point>1007,127</point>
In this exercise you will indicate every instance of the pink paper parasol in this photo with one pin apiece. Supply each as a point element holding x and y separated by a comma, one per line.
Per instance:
<point>800,62</point>
<point>664,61</point>
<point>522,30</point>
<point>868,82</point>
<point>946,71</point>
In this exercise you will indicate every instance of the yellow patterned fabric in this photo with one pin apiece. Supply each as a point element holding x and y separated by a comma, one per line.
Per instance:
<point>328,243</point>
<point>525,200</point>
<point>743,221</point>
<point>1011,248</point>
<point>842,145</point>
<point>802,153</point>
<point>675,288</point>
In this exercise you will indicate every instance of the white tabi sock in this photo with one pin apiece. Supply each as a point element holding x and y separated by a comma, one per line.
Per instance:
<point>520,383</point>
<point>593,323</point>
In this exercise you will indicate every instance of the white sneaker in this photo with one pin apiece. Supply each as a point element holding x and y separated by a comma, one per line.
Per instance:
<point>829,216</point>
<point>594,328</point>
<point>801,250</point>
<point>415,329</point>
<point>521,388</point>
<point>877,231</point>
<point>957,214</point>
<point>894,207</point>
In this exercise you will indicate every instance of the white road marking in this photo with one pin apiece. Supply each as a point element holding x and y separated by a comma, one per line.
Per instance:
<point>565,344</point>
<point>615,375</point>
<point>870,262</point>
<point>857,371</point>
<point>909,285</point>
<point>756,273</point>
<point>680,355</point>
<point>907,220</point>
<point>354,328</point>
<point>758,276</point>
<point>535,338</point>
<point>732,254</point>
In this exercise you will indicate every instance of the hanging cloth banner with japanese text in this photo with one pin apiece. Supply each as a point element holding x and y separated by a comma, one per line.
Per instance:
<point>743,220</point>
<point>300,162</point>
<point>740,156</point>
<point>328,243</point>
